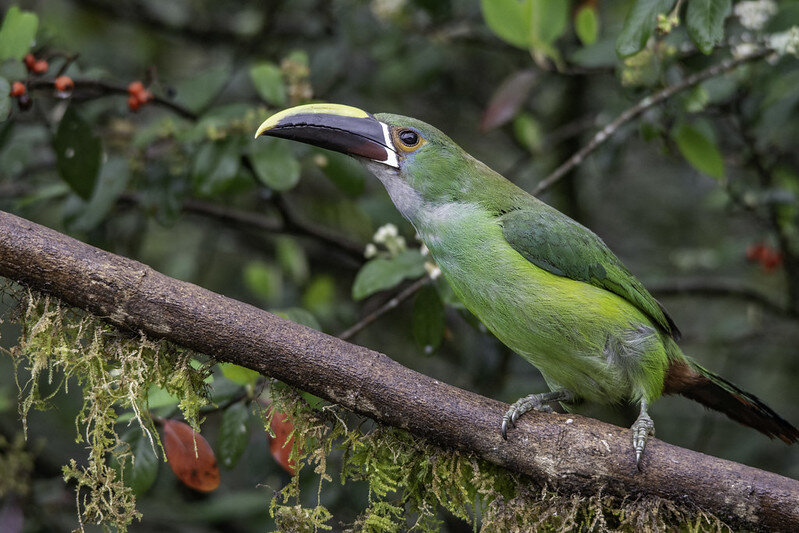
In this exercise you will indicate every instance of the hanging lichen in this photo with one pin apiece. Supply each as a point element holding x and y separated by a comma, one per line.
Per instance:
<point>115,372</point>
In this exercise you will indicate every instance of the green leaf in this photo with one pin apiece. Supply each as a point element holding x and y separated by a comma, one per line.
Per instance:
<point>639,25</point>
<point>215,167</point>
<point>699,150</point>
<point>292,259</point>
<point>268,81</point>
<point>509,20</point>
<point>17,33</point>
<point>705,22</point>
<point>548,21</point>
<point>381,274</point>
<point>265,280</point>
<point>320,296</point>
<point>5,99</point>
<point>275,164</point>
<point>428,319</point>
<point>586,24</point>
<point>78,153</point>
<point>196,93</point>
<point>234,434</point>
<point>239,374</point>
<point>346,173</point>
<point>140,472</point>
<point>300,316</point>
<point>110,185</point>
<point>528,132</point>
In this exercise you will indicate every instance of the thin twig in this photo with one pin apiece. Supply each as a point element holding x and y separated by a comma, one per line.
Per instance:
<point>392,303</point>
<point>647,103</point>
<point>720,287</point>
<point>90,89</point>
<point>297,225</point>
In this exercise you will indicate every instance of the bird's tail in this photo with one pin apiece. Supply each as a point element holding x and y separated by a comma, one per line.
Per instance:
<point>697,383</point>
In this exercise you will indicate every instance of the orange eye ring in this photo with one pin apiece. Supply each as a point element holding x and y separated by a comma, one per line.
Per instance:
<point>406,140</point>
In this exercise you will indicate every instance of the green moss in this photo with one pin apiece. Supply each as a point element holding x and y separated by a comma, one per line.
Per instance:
<point>412,484</point>
<point>60,346</point>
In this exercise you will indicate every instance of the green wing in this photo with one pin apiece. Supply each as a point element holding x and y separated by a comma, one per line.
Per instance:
<point>556,243</point>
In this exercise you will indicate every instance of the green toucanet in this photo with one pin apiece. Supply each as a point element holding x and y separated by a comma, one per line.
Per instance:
<point>546,286</point>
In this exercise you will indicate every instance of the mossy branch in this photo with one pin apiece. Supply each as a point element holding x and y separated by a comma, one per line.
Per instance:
<point>572,454</point>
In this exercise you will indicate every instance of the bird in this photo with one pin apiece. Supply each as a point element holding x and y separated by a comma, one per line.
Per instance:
<point>546,286</point>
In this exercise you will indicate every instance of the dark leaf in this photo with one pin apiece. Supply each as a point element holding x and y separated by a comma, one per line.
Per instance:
<point>141,470</point>
<point>705,22</point>
<point>639,25</point>
<point>234,434</point>
<point>78,153</point>
<point>428,319</point>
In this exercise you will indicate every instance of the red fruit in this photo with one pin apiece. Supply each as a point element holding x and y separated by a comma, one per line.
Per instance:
<point>756,251</point>
<point>64,84</point>
<point>135,88</point>
<point>133,103</point>
<point>29,60</point>
<point>40,67</point>
<point>771,259</point>
<point>144,96</point>
<point>17,89</point>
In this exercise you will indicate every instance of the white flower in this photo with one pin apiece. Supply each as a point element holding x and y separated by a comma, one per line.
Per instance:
<point>744,50</point>
<point>786,42</point>
<point>370,251</point>
<point>432,270</point>
<point>754,14</point>
<point>385,232</point>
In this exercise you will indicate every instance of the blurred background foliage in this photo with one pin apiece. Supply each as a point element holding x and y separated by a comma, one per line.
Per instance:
<point>697,196</point>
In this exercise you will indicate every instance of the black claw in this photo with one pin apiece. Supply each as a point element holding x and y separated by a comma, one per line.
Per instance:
<point>504,430</point>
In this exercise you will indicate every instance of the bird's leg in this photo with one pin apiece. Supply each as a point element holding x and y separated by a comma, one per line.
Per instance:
<point>642,428</point>
<point>534,402</point>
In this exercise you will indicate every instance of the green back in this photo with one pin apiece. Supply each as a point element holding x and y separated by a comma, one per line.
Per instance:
<point>558,244</point>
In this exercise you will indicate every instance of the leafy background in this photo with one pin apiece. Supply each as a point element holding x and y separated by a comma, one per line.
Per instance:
<point>700,190</point>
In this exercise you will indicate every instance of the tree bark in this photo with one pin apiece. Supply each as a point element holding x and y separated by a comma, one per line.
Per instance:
<point>567,452</point>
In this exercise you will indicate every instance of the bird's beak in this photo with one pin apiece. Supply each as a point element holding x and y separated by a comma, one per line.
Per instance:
<point>342,128</point>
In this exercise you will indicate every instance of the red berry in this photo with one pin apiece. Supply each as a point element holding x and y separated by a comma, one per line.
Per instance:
<point>41,66</point>
<point>771,259</point>
<point>29,60</point>
<point>133,103</point>
<point>135,88</point>
<point>144,96</point>
<point>17,89</point>
<point>64,84</point>
<point>756,251</point>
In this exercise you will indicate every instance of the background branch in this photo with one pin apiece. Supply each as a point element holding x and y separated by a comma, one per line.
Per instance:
<point>567,452</point>
<point>647,103</point>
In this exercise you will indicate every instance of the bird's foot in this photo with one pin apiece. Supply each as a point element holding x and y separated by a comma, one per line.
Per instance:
<point>642,429</point>
<point>533,402</point>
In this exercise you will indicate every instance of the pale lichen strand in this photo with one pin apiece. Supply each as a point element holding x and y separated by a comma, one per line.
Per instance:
<point>115,372</point>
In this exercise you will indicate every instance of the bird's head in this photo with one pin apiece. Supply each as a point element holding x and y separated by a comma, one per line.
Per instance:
<point>416,162</point>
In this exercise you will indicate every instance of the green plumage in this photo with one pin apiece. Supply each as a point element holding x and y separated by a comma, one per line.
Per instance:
<point>546,286</point>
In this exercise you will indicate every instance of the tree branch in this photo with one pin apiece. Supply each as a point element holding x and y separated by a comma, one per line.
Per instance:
<point>570,453</point>
<point>719,287</point>
<point>647,103</point>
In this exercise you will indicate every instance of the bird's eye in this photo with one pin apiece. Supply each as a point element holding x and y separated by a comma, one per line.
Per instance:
<point>407,140</point>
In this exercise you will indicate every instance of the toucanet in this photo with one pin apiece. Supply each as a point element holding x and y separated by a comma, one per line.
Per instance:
<point>546,286</point>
